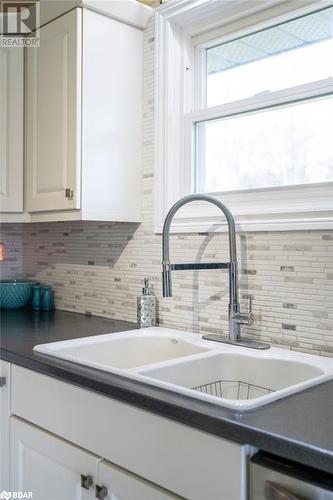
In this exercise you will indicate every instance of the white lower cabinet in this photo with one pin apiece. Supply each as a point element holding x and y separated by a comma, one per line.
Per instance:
<point>50,468</point>
<point>133,454</point>
<point>117,484</point>
<point>4,424</point>
<point>46,466</point>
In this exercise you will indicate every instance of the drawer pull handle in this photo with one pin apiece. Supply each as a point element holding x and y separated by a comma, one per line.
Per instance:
<point>101,492</point>
<point>86,482</point>
<point>69,193</point>
<point>3,381</point>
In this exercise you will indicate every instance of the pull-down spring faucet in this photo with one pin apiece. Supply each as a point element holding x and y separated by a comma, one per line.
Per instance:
<point>235,316</point>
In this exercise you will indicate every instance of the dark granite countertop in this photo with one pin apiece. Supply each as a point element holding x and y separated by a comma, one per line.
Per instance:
<point>299,427</point>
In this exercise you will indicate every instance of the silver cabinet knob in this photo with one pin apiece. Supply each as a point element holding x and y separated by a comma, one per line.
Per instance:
<point>101,492</point>
<point>86,482</point>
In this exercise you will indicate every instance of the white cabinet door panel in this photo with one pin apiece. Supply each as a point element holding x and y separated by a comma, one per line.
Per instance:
<point>122,485</point>
<point>53,126</point>
<point>47,466</point>
<point>4,424</point>
<point>146,444</point>
<point>11,129</point>
<point>111,118</point>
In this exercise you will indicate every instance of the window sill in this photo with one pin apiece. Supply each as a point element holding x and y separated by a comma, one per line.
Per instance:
<point>297,208</point>
<point>204,225</point>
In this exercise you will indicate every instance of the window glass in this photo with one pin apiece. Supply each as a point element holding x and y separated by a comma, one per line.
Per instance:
<point>287,55</point>
<point>279,146</point>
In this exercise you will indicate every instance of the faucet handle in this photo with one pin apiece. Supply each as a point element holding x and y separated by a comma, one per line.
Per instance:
<point>245,318</point>
<point>249,315</point>
<point>250,305</point>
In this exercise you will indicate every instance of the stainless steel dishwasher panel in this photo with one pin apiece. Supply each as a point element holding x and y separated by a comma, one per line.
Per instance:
<point>273,478</point>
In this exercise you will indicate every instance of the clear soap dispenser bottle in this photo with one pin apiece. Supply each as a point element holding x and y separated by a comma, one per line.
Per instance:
<point>146,306</point>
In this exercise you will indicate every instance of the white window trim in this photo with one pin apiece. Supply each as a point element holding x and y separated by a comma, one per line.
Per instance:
<point>180,25</point>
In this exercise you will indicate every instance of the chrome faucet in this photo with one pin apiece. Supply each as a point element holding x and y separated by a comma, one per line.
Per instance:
<point>235,317</point>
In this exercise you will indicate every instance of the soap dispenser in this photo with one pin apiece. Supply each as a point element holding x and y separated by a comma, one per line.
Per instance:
<point>146,306</point>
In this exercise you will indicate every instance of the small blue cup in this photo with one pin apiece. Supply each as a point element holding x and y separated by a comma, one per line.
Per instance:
<point>48,299</point>
<point>36,298</point>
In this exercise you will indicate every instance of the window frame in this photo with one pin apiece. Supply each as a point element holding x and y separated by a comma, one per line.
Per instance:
<point>184,30</point>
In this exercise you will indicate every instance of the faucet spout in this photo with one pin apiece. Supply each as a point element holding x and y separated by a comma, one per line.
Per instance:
<point>199,197</point>
<point>236,318</point>
<point>233,276</point>
<point>166,281</point>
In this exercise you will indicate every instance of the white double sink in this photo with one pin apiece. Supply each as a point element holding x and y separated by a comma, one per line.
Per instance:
<point>229,376</point>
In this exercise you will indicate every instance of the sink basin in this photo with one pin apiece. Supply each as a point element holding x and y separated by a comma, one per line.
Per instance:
<point>226,375</point>
<point>122,351</point>
<point>241,380</point>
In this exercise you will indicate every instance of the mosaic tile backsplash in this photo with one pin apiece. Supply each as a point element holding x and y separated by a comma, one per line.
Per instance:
<point>98,267</point>
<point>12,238</point>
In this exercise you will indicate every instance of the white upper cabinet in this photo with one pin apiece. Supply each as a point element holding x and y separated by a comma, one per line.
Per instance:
<point>53,116</point>
<point>112,120</point>
<point>11,129</point>
<point>84,119</point>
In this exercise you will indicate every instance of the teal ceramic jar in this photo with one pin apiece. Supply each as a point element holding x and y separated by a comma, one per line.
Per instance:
<point>37,298</point>
<point>48,299</point>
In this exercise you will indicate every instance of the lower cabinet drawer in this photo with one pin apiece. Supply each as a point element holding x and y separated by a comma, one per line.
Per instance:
<point>188,462</point>
<point>50,468</point>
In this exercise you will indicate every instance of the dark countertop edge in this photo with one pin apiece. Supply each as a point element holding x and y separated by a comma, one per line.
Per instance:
<point>179,408</point>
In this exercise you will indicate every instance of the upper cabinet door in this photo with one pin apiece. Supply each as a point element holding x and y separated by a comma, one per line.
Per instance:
<point>11,129</point>
<point>53,124</point>
<point>111,118</point>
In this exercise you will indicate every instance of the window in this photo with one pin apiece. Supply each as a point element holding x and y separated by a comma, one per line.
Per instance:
<point>245,112</point>
<point>284,56</point>
<point>278,145</point>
